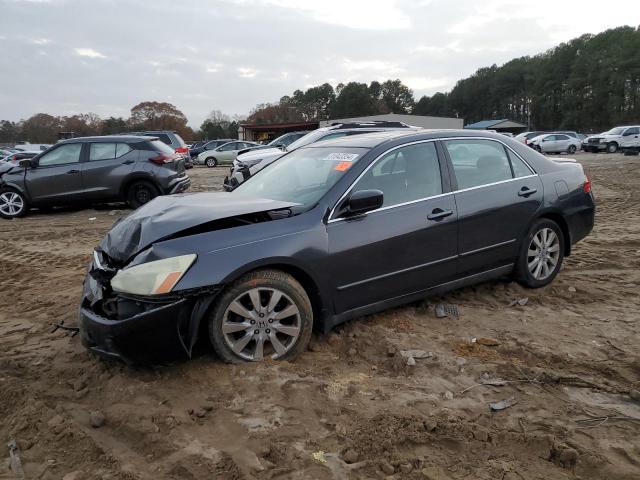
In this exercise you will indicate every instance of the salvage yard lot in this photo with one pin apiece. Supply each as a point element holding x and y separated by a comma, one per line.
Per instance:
<point>567,354</point>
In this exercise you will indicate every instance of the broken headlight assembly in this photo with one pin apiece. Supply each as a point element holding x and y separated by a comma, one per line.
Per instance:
<point>152,278</point>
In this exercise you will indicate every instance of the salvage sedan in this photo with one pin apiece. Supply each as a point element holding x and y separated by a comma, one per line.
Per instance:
<point>330,232</point>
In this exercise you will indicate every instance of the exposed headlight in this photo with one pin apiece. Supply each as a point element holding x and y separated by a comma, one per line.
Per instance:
<point>152,278</point>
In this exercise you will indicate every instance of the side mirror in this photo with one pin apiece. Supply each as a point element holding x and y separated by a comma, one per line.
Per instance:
<point>27,163</point>
<point>363,201</point>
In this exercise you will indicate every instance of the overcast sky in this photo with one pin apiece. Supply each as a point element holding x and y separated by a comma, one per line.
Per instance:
<point>104,56</point>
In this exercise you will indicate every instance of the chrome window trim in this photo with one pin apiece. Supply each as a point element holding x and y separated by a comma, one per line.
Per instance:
<point>375,160</point>
<point>533,174</point>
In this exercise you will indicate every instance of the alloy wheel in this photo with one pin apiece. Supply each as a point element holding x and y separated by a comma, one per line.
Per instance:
<point>211,162</point>
<point>11,204</point>
<point>543,254</point>
<point>261,322</point>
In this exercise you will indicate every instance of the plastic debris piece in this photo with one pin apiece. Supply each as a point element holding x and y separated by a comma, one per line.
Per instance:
<point>15,464</point>
<point>502,404</point>
<point>519,301</point>
<point>446,310</point>
<point>415,354</point>
<point>488,342</point>
<point>319,456</point>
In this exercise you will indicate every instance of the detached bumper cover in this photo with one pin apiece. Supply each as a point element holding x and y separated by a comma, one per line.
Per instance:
<point>179,184</point>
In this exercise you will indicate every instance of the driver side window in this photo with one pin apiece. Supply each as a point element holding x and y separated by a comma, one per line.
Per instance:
<point>63,155</point>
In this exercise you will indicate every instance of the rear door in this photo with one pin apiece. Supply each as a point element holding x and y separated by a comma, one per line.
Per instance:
<point>562,143</point>
<point>406,246</point>
<point>57,178</point>
<point>105,168</point>
<point>497,195</point>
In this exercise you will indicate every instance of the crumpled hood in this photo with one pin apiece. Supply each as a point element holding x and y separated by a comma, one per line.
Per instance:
<point>165,216</point>
<point>7,166</point>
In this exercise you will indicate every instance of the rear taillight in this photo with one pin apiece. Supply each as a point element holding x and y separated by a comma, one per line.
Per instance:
<point>182,150</point>
<point>163,158</point>
<point>587,185</point>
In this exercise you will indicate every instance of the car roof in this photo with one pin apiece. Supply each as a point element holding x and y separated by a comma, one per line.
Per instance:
<point>108,138</point>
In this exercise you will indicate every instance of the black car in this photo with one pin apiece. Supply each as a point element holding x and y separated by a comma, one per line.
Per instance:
<point>330,232</point>
<point>89,170</point>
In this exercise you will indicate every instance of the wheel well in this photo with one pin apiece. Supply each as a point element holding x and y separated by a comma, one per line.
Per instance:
<point>128,183</point>
<point>307,283</point>
<point>562,223</point>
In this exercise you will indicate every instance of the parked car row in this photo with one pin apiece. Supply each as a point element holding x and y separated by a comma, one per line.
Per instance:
<point>249,163</point>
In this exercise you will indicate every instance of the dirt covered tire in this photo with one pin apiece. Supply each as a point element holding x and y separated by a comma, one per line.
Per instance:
<point>264,314</point>
<point>541,254</point>
<point>13,204</point>
<point>211,162</point>
<point>141,192</point>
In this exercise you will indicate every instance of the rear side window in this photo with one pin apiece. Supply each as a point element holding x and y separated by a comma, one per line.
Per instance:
<point>229,146</point>
<point>520,169</point>
<point>107,151</point>
<point>161,147</point>
<point>478,162</point>
<point>404,175</point>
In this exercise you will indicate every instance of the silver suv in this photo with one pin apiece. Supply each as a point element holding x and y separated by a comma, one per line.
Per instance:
<point>250,163</point>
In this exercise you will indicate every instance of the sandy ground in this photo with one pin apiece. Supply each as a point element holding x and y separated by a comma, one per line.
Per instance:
<point>350,407</point>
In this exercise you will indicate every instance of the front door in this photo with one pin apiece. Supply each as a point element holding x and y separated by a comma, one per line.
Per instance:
<point>406,246</point>
<point>631,137</point>
<point>57,177</point>
<point>497,196</point>
<point>106,167</point>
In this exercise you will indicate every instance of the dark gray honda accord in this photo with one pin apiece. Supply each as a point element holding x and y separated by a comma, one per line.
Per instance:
<point>330,232</point>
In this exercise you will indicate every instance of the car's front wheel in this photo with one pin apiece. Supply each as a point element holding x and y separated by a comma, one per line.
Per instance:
<point>541,254</point>
<point>264,314</point>
<point>12,203</point>
<point>211,162</point>
<point>140,193</point>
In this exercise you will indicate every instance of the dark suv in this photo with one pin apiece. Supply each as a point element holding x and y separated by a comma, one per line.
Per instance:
<point>127,168</point>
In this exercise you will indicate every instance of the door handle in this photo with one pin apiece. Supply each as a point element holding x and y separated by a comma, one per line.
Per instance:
<point>73,171</point>
<point>438,214</point>
<point>127,162</point>
<point>526,191</point>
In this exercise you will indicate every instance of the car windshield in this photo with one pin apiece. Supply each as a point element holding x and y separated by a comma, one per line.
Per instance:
<point>615,131</point>
<point>306,140</point>
<point>303,176</point>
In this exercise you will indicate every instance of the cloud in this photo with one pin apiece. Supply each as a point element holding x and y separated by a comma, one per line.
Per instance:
<point>89,52</point>
<point>245,72</point>
<point>40,41</point>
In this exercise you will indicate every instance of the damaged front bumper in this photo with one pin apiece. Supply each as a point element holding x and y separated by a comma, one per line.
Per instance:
<point>140,330</point>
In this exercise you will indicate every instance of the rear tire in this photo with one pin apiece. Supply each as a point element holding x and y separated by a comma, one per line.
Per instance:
<point>141,192</point>
<point>211,162</point>
<point>13,204</point>
<point>572,149</point>
<point>541,254</point>
<point>264,314</point>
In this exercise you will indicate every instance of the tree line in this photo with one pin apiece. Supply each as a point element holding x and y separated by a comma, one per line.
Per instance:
<point>589,84</point>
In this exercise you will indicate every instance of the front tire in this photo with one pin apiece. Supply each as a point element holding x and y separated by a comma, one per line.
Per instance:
<point>13,204</point>
<point>612,147</point>
<point>263,314</point>
<point>211,162</point>
<point>541,254</point>
<point>141,192</point>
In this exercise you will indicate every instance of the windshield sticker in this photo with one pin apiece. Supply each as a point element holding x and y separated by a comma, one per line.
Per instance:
<point>341,157</point>
<point>342,166</point>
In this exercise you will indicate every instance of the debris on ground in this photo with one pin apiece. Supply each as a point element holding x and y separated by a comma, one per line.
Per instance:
<point>416,354</point>
<point>319,456</point>
<point>635,395</point>
<point>502,404</point>
<point>487,342</point>
<point>97,419</point>
<point>91,219</point>
<point>15,464</point>
<point>446,310</point>
<point>519,301</point>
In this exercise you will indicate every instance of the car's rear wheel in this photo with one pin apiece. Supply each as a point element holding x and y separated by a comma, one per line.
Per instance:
<point>572,149</point>
<point>612,147</point>
<point>541,254</point>
<point>264,314</point>
<point>141,192</point>
<point>12,203</point>
<point>211,162</point>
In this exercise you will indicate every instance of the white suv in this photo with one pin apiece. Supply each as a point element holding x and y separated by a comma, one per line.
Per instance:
<point>618,138</point>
